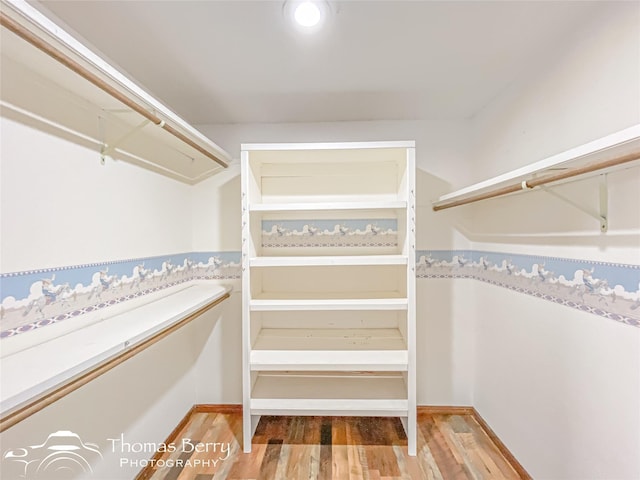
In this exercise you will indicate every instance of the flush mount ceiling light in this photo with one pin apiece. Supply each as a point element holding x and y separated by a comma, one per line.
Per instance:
<point>306,15</point>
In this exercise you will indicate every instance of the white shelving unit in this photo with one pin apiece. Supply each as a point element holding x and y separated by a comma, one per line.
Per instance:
<point>329,281</point>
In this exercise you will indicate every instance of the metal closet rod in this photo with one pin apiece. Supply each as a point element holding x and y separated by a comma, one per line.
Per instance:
<point>536,182</point>
<point>68,62</point>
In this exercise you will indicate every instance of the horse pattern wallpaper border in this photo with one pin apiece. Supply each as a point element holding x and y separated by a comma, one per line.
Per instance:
<point>610,290</point>
<point>330,233</point>
<point>37,298</point>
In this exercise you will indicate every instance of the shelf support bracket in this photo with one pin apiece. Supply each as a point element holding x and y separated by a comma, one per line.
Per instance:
<point>602,215</point>
<point>107,150</point>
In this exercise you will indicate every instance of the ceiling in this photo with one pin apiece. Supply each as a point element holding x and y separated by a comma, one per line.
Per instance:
<point>241,62</point>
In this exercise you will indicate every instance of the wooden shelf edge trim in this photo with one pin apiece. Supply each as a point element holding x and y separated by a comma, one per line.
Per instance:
<point>74,66</point>
<point>73,384</point>
<point>536,182</point>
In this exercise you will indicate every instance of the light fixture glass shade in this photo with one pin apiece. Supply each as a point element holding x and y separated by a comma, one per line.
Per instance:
<point>307,16</point>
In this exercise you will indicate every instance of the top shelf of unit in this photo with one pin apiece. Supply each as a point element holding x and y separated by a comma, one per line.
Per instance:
<point>335,205</point>
<point>333,260</point>
<point>76,94</point>
<point>618,150</point>
<point>262,147</point>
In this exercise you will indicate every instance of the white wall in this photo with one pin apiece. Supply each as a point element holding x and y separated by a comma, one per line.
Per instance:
<point>560,387</point>
<point>60,207</point>
<point>445,347</point>
<point>590,89</point>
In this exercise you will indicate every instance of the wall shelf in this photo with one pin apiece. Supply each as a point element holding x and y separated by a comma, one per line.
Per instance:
<point>33,378</point>
<point>52,81</point>
<point>606,154</point>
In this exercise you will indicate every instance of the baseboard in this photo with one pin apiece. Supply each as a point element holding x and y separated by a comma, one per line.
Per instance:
<point>501,446</point>
<point>444,410</point>
<point>217,408</point>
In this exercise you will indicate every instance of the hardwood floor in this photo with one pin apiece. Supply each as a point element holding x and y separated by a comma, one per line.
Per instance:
<point>323,448</point>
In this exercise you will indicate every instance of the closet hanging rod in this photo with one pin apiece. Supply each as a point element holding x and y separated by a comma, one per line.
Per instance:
<point>94,79</point>
<point>536,182</point>
<point>42,401</point>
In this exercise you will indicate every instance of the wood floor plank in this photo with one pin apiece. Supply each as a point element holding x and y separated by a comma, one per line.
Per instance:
<point>299,464</point>
<point>338,431</point>
<point>475,471</point>
<point>483,464</point>
<point>326,454</point>
<point>353,454</point>
<point>382,459</point>
<point>340,462</point>
<point>270,460</point>
<point>211,459</point>
<point>374,475</point>
<point>224,467</point>
<point>424,458</point>
<point>401,460</point>
<point>248,466</point>
<point>283,462</point>
<point>449,447</point>
<point>447,461</point>
<point>355,439</point>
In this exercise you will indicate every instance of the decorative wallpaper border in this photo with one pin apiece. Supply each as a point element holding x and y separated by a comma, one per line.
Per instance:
<point>610,290</point>
<point>37,298</point>
<point>346,233</point>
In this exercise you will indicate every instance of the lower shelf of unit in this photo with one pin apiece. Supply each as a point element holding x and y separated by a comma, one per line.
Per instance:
<point>372,349</point>
<point>329,301</point>
<point>326,394</point>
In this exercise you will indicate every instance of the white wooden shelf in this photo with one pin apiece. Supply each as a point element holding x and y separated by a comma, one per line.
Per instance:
<point>375,349</point>
<point>283,304</point>
<point>86,104</point>
<point>338,360</point>
<point>61,354</point>
<point>310,148</point>
<point>328,260</point>
<point>298,394</point>
<point>347,204</point>
<point>624,143</point>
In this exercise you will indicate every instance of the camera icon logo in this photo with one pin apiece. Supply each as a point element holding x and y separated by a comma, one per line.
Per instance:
<point>63,455</point>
